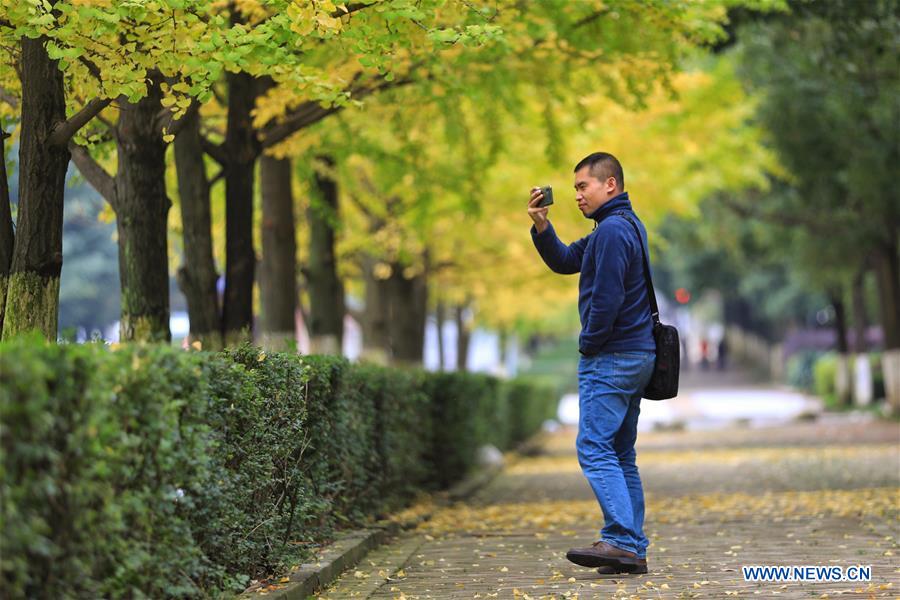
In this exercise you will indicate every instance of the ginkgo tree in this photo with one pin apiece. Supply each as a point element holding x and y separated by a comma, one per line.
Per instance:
<point>73,60</point>
<point>274,69</point>
<point>157,60</point>
<point>378,46</point>
<point>561,43</point>
<point>447,215</point>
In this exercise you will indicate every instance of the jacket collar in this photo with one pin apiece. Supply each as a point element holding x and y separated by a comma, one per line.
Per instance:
<point>614,204</point>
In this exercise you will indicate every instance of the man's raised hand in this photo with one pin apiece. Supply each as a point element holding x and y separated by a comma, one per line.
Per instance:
<point>538,214</point>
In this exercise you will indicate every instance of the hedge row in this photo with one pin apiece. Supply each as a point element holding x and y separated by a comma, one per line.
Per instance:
<point>149,472</point>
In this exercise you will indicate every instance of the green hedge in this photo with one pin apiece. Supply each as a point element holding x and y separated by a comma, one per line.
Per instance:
<point>825,371</point>
<point>825,379</point>
<point>150,472</point>
<point>799,369</point>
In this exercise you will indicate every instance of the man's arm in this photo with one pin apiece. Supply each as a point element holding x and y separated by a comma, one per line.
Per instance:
<point>611,253</point>
<point>559,257</point>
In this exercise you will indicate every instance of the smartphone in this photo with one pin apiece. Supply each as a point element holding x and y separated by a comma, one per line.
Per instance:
<point>547,200</point>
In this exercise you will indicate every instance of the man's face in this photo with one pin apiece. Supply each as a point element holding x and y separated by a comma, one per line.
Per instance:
<point>592,193</point>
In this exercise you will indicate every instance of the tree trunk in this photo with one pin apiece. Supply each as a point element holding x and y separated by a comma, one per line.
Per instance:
<point>860,318</point>
<point>241,149</point>
<point>7,234</point>
<point>326,290</point>
<point>503,353</point>
<point>440,316</point>
<point>376,339</point>
<point>887,269</point>
<point>278,269</point>
<point>463,334</point>
<point>197,277</point>
<point>142,207</point>
<point>32,299</point>
<point>840,321</point>
<point>842,374</point>
<point>408,311</point>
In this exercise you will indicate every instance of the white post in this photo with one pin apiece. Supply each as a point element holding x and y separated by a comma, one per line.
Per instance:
<point>890,366</point>
<point>862,388</point>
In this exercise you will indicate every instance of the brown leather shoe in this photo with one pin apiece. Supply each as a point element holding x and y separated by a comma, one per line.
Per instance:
<point>638,569</point>
<point>602,554</point>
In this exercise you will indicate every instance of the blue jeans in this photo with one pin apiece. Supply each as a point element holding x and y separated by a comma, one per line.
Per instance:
<point>609,390</point>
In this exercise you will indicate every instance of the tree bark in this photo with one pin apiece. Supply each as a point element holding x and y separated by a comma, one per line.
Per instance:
<point>503,342</point>
<point>32,298</point>
<point>860,318</point>
<point>142,208</point>
<point>840,321</point>
<point>408,301</point>
<point>842,376</point>
<point>463,334</point>
<point>887,269</point>
<point>197,277</point>
<point>278,269</point>
<point>326,290</point>
<point>376,338</point>
<point>7,234</point>
<point>241,148</point>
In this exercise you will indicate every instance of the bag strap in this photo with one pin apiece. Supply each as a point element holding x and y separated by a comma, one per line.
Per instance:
<point>654,308</point>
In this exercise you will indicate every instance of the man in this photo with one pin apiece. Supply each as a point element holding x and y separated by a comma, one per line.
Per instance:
<point>618,354</point>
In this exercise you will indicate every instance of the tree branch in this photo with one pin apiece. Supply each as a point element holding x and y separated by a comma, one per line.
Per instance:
<point>9,98</point>
<point>311,112</point>
<point>95,174</point>
<point>363,208</point>
<point>352,8</point>
<point>64,131</point>
<point>587,20</point>
<point>785,220</point>
<point>303,116</point>
<point>91,67</point>
<point>214,150</point>
<point>173,126</point>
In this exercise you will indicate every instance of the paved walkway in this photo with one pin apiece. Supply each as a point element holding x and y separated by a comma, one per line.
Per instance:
<point>815,493</point>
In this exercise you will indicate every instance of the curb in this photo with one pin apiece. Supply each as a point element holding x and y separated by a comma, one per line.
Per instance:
<point>350,547</point>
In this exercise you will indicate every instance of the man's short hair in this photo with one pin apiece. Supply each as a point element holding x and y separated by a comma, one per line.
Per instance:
<point>603,166</point>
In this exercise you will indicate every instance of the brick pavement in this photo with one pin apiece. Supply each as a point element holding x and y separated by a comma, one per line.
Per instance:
<point>820,493</point>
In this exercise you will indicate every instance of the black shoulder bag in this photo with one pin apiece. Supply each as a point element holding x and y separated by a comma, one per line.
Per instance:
<point>664,382</point>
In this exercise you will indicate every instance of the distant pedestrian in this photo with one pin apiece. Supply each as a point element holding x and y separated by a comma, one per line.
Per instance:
<point>722,357</point>
<point>618,354</point>
<point>704,354</point>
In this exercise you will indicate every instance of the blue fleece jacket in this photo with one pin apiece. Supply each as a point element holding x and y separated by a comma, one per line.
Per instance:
<point>612,294</point>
